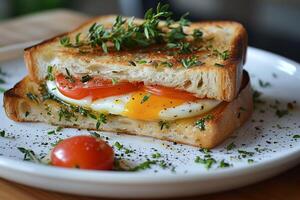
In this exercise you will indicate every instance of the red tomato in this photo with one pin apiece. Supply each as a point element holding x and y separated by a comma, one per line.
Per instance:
<point>84,152</point>
<point>96,87</point>
<point>169,92</point>
<point>71,89</point>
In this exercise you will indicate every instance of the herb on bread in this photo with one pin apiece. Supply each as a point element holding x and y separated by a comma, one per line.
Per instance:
<point>32,97</point>
<point>200,123</point>
<point>50,75</point>
<point>145,98</point>
<point>164,124</point>
<point>101,120</point>
<point>190,62</point>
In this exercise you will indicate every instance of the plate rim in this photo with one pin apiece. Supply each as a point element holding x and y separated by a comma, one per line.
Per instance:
<point>94,176</point>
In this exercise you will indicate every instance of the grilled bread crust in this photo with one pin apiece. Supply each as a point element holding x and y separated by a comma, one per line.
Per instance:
<point>226,117</point>
<point>207,80</point>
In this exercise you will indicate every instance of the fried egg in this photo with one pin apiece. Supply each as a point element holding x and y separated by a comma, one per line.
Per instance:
<point>141,105</point>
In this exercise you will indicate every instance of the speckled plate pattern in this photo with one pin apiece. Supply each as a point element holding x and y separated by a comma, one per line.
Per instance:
<point>266,145</point>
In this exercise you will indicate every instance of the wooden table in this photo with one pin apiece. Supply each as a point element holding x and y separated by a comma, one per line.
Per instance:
<point>43,25</point>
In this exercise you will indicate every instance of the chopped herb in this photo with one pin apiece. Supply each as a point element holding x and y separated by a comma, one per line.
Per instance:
<point>281,113</point>
<point>163,124</point>
<point>101,120</point>
<point>114,81</point>
<point>183,47</point>
<point>65,41</point>
<point>156,155</point>
<point>77,39</point>
<point>86,78</point>
<point>207,162</point>
<point>145,165</point>
<point>29,154</point>
<point>205,150</point>
<point>118,145</point>
<point>219,65</point>
<point>245,154</point>
<point>230,146</point>
<point>223,164</point>
<point>50,75</point>
<point>145,98</point>
<point>296,136</point>
<point>166,64</point>
<point>2,81</point>
<point>69,76</point>
<point>2,90</point>
<point>132,63</point>
<point>32,97</point>
<point>51,132</point>
<point>2,133</point>
<point>65,113</point>
<point>200,123</point>
<point>197,34</point>
<point>190,62</point>
<point>58,129</point>
<point>223,55</point>
<point>26,114</point>
<point>96,135</point>
<point>141,62</point>
<point>256,97</point>
<point>264,84</point>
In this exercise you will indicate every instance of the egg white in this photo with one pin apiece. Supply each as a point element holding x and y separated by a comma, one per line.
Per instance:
<point>116,105</point>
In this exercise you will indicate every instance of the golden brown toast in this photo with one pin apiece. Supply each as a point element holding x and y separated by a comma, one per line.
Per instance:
<point>215,78</point>
<point>223,120</point>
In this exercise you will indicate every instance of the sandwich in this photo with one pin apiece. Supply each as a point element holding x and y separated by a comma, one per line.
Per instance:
<point>171,80</point>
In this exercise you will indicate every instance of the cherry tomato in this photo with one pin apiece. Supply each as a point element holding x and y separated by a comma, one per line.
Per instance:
<point>96,87</point>
<point>84,152</point>
<point>169,92</point>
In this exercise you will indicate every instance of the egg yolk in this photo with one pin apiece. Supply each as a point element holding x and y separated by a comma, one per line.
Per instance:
<point>145,106</point>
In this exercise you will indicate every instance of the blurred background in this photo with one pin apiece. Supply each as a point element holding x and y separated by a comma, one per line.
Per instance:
<point>273,25</point>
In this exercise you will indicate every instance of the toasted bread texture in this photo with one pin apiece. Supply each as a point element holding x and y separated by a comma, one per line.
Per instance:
<point>222,120</point>
<point>215,78</point>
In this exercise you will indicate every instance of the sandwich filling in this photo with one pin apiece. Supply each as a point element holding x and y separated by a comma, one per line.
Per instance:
<point>132,100</point>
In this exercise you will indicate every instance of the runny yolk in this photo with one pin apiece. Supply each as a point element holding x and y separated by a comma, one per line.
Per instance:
<point>148,109</point>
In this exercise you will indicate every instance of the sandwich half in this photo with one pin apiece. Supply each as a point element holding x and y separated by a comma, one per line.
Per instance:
<point>176,81</point>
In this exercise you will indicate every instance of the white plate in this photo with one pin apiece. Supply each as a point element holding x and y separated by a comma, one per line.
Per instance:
<point>269,137</point>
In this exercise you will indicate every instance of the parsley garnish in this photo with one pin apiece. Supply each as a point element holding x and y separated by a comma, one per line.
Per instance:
<point>166,63</point>
<point>245,154</point>
<point>207,162</point>
<point>200,123</point>
<point>223,164</point>
<point>29,154</point>
<point>281,113</point>
<point>101,120</point>
<point>145,165</point>
<point>50,76</point>
<point>96,135</point>
<point>69,76</point>
<point>219,65</point>
<point>156,155</point>
<point>32,97</point>
<point>190,62</point>
<point>230,146</point>
<point>65,41</point>
<point>296,136</point>
<point>145,98</point>
<point>2,81</point>
<point>118,145</point>
<point>114,81</point>
<point>264,84</point>
<point>163,124</point>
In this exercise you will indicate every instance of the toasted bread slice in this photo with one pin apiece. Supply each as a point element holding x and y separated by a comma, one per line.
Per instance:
<point>216,78</point>
<point>223,120</point>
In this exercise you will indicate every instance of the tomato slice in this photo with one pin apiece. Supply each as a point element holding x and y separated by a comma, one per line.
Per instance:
<point>169,92</point>
<point>73,89</point>
<point>84,152</point>
<point>96,87</point>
